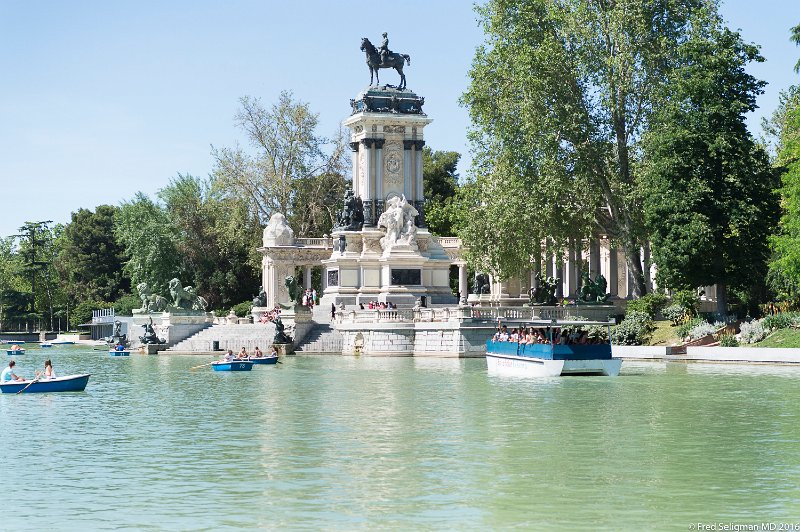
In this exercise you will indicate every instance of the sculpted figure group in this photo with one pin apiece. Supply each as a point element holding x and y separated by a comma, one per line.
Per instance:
<point>183,298</point>
<point>398,220</point>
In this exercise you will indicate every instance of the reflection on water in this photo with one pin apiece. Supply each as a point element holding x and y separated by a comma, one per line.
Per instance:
<point>400,443</point>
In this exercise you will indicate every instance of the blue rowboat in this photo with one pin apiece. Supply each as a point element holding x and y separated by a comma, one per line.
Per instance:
<point>70,383</point>
<point>264,360</point>
<point>115,353</point>
<point>62,342</point>
<point>45,344</point>
<point>15,351</point>
<point>15,342</point>
<point>233,365</point>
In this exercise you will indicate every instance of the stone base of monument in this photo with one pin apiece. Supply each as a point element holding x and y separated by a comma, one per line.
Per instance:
<point>298,322</point>
<point>284,349</point>
<point>152,349</point>
<point>173,326</point>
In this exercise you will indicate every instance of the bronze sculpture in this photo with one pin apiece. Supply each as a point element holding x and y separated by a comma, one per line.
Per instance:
<point>376,61</point>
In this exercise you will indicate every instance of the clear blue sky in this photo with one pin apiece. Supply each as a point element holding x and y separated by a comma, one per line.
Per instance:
<point>101,99</point>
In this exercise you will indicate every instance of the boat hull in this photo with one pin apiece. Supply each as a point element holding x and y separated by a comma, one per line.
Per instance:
<point>114,353</point>
<point>546,360</point>
<point>264,360</point>
<point>236,365</point>
<point>45,345</point>
<point>15,351</point>
<point>15,342</point>
<point>70,383</point>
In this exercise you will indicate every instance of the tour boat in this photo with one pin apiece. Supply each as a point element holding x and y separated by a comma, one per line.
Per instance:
<point>115,353</point>
<point>70,383</point>
<point>552,360</point>
<point>264,360</point>
<point>233,365</point>
<point>15,351</point>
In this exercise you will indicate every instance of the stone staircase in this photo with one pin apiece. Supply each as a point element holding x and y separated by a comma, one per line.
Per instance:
<point>322,339</point>
<point>229,336</point>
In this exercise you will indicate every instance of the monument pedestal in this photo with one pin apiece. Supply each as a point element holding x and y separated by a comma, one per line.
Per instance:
<point>172,326</point>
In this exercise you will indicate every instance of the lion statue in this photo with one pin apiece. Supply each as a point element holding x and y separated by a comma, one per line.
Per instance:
<point>150,302</point>
<point>295,290</point>
<point>185,298</point>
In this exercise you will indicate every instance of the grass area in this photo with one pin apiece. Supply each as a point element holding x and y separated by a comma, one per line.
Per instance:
<point>664,334</point>
<point>781,338</point>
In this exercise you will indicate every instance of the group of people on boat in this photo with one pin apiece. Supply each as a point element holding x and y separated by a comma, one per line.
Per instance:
<point>8,374</point>
<point>532,335</point>
<point>16,347</point>
<point>244,355</point>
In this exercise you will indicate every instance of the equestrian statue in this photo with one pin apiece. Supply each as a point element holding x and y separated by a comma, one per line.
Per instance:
<point>382,57</point>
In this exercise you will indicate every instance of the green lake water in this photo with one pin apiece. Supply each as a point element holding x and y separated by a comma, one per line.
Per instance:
<point>341,443</point>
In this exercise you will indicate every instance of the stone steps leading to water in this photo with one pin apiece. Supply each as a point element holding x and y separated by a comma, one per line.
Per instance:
<point>229,336</point>
<point>321,340</point>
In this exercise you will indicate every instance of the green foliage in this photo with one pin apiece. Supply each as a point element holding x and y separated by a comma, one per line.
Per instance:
<point>675,313</point>
<point>560,94</point>
<point>684,328</point>
<point>126,303</point>
<point>728,340</point>
<point>688,300</point>
<point>751,332</point>
<point>315,204</point>
<point>82,313</point>
<point>635,329</point>
<point>650,304</point>
<point>781,320</point>
<point>243,309</point>
<point>440,187</point>
<point>709,190</point>
<point>90,258</point>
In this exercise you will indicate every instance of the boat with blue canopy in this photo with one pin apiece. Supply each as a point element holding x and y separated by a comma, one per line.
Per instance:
<point>232,365</point>
<point>558,353</point>
<point>70,383</point>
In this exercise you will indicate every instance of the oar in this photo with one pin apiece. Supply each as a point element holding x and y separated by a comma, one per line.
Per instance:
<point>202,365</point>
<point>25,388</point>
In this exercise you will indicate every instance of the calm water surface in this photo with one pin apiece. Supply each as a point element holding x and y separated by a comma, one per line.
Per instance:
<point>364,443</point>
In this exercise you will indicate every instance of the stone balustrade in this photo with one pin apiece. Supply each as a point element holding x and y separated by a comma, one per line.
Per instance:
<point>324,243</point>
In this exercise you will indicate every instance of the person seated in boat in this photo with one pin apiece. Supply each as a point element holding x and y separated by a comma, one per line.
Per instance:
<point>8,374</point>
<point>243,354</point>
<point>503,334</point>
<point>257,353</point>
<point>120,347</point>
<point>48,372</point>
<point>16,347</point>
<point>228,356</point>
<point>273,352</point>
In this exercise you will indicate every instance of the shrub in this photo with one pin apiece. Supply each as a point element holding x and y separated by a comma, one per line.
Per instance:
<point>125,305</point>
<point>782,320</point>
<point>752,332</point>
<point>635,329</point>
<point>702,329</point>
<point>243,309</point>
<point>675,313</point>
<point>683,329</point>
<point>650,304</point>
<point>688,300</point>
<point>728,340</point>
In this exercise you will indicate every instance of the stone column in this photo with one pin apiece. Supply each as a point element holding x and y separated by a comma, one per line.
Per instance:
<point>462,280</point>
<point>408,169</point>
<point>571,266</point>
<point>559,267</point>
<point>419,199</point>
<point>613,269</point>
<point>594,257</point>
<point>307,276</point>
<point>379,196</point>
<point>369,191</point>
<point>646,267</point>
<point>356,177</point>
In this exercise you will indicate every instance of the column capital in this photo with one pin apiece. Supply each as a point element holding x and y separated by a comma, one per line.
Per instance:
<point>367,142</point>
<point>407,144</point>
<point>419,144</point>
<point>379,143</point>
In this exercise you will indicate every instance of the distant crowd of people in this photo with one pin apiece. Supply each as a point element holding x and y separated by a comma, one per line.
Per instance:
<point>269,316</point>
<point>309,298</point>
<point>375,305</point>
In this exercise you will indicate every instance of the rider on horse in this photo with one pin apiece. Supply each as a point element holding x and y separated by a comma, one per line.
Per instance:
<point>384,49</point>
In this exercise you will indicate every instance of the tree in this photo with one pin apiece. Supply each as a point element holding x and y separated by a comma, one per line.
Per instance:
<point>288,152</point>
<point>440,185</point>
<point>560,95</point>
<point>710,201</point>
<point>795,38</point>
<point>91,259</point>
<point>316,202</point>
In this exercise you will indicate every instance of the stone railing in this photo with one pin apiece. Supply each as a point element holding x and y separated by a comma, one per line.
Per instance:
<point>479,314</point>
<point>314,242</point>
<point>449,241</point>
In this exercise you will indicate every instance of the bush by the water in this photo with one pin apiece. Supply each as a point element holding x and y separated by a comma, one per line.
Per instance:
<point>650,304</point>
<point>675,313</point>
<point>703,329</point>
<point>781,320</point>
<point>125,305</point>
<point>82,313</point>
<point>683,329</point>
<point>635,329</point>
<point>751,332</point>
<point>728,340</point>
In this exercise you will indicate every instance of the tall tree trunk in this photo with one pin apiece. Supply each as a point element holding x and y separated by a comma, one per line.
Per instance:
<point>633,259</point>
<point>722,299</point>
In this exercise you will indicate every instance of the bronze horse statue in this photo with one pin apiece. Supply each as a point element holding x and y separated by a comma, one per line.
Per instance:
<point>393,60</point>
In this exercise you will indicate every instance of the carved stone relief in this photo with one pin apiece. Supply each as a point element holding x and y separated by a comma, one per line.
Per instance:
<point>393,157</point>
<point>394,129</point>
